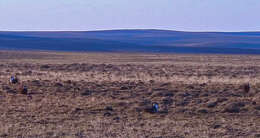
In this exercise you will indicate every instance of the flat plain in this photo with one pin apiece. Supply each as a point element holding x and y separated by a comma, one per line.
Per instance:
<point>110,95</point>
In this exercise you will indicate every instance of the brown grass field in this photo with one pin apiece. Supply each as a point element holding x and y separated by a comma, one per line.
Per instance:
<point>109,95</point>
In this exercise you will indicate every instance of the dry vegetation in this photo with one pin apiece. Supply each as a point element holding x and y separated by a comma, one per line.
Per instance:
<point>109,95</point>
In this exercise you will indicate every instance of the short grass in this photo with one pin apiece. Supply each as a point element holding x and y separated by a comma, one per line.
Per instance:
<point>109,94</point>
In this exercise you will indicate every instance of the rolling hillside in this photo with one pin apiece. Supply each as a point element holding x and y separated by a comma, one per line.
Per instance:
<point>135,41</point>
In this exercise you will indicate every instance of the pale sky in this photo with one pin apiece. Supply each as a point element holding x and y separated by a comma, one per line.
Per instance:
<point>84,15</point>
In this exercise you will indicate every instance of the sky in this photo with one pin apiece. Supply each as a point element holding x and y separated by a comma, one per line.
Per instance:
<point>86,15</point>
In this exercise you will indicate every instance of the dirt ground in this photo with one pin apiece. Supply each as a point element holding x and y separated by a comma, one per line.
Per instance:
<point>111,94</point>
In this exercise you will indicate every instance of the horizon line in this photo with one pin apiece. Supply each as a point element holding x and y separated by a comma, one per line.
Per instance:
<point>124,29</point>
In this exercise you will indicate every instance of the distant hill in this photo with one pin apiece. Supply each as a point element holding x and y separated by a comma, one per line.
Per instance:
<point>135,41</point>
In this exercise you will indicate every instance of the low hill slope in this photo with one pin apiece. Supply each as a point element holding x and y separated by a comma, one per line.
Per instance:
<point>135,41</point>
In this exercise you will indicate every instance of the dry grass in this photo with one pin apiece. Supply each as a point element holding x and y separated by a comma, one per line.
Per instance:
<point>108,95</point>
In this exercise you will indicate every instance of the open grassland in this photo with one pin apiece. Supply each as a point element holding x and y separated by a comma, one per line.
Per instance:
<point>109,95</point>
